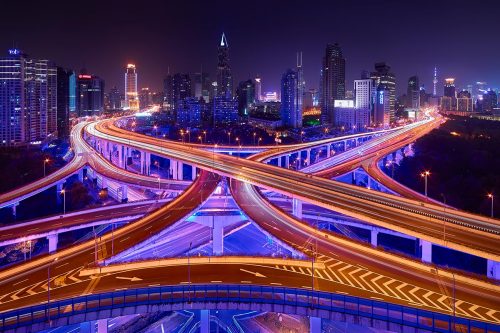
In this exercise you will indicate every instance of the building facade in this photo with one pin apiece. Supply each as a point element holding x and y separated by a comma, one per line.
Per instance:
<point>383,76</point>
<point>224,75</point>
<point>291,111</point>
<point>332,80</point>
<point>131,94</point>
<point>90,95</point>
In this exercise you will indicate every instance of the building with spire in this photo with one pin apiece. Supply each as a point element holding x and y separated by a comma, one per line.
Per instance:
<point>224,76</point>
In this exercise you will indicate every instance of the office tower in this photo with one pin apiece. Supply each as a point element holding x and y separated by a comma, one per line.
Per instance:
<point>72,92</point>
<point>90,95</point>
<point>189,112</point>
<point>382,112</point>
<point>364,93</point>
<point>176,88</point>
<point>201,86</point>
<point>245,94</point>
<point>301,87</point>
<point>348,117</point>
<point>332,80</point>
<point>115,99</point>
<point>291,113</point>
<point>384,77</point>
<point>224,111</point>
<point>413,93</point>
<point>28,99</point>
<point>224,76</point>
<point>449,87</point>
<point>435,82</point>
<point>131,95</point>
<point>145,98</point>
<point>258,88</point>
<point>490,101</point>
<point>464,101</point>
<point>64,86</point>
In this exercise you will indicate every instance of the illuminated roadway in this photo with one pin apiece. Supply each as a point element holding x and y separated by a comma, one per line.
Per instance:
<point>463,231</point>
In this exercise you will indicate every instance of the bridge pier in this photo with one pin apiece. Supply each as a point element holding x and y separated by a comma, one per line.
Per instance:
<point>287,161</point>
<point>374,237</point>
<point>180,170</point>
<point>217,235</point>
<point>426,251</point>
<point>493,269</point>
<point>308,157</point>
<point>14,209</point>
<point>102,326</point>
<point>193,172</point>
<point>314,325</point>
<point>204,321</point>
<point>53,240</point>
<point>297,208</point>
<point>279,161</point>
<point>328,150</point>
<point>122,193</point>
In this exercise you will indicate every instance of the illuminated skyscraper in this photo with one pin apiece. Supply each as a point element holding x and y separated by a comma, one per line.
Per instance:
<point>332,81</point>
<point>258,88</point>
<point>449,87</point>
<point>90,95</point>
<point>291,115</point>
<point>131,96</point>
<point>224,76</point>
<point>413,93</point>
<point>299,95</point>
<point>383,76</point>
<point>435,82</point>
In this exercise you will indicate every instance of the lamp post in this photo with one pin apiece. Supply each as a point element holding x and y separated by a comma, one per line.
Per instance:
<point>254,134</point>
<point>424,175</point>
<point>258,142</point>
<point>200,138</point>
<point>491,196</point>
<point>182,136</point>
<point>189,136</point>
<point>63,192</point>
<point>45,161</point>
<point>156,131</point>
<point>228,138</point>
<point>159,184</point>
<point>301,134</point>
<point>205,136</point>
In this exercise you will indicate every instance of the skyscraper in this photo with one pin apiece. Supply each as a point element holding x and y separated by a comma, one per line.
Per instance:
<point>28,99</point>
<point>258,88</point>
<point>224,76</point>
<point>115,99</point>
<point>90,92</point>
<point>131,95</point>
<point>176,87</point>
<point>64,78</point>
<point>383,76</point>
<point>490,101</point>
<point>435,82</point>
<point>301,85</point>
<point>291,115</point>
<point>245,94</point>
<point>364,93</point>
<point>449,87</point>
<point>413,93</point>
<point>332,81</point>
<point>382,114</point>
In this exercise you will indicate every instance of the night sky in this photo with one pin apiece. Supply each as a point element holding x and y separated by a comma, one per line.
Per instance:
<point>461,37</point>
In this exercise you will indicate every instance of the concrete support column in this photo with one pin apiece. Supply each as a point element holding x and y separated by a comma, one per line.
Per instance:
<point>297,208</point>
<point>204,321</point>
<point>217,235</point>
<point>80,175</point>
<point>180,170</point>
<point>173,168</point>
<point>102,326</point>
<point>148,164</point>
<point>345,145</point>
<point>287,161</point>
<point>493,269</point>
<point>141,162</point>
<point>193,172</point>
<point>308,157</point>
<point>124,193</point>
<point>14,209</point>
<point>279,161</point>
<point>120,156</point>
<point>314,325</point>
<point>328,150</point>
<point>369,181</point>
<point>53,239</point>
<point>426,250</point>
<point>374,237</point>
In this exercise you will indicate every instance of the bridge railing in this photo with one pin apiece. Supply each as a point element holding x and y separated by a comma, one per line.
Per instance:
<point>343,304</point>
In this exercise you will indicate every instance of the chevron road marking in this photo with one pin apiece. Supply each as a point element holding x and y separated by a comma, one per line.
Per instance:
<point>363,276</point>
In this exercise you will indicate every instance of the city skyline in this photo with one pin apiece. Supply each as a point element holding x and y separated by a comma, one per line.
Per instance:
<point>189,45</point>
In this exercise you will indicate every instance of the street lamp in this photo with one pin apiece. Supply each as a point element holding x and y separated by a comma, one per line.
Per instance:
<point>424,175</point>
<point>258,142</point>
<point>159,185</point>
<point>491,196</point>
<point>205,135</point>
<point>182,136</point>
<point>63,192</point>
<point>199,138</point>
<point>45,161</point>
<point>189,136</point>
<point>254,134</point>
<point>301,134</point>
<point>229,138</point>
<point>156,131</point>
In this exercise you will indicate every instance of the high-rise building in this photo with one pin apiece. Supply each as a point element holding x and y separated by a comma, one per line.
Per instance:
<point>64,86</point>
<point>364,94</point>
<point>384,77</point>
<point>131,95</point>
<point>145,98</point>
<point>490,101</point>
<point>224,111</point>
<point>435,82</point>
<point>382,112</point>
<point>464,101</point>
<point>28,99</point>
<point>301,87</point>
<point>291,113</point>
<point>258,88</point>
<point>449,87</point>
<point>245,93</point>
<point>189,112</point>
<point>224,76</point>
<point>176,88</point>
<point>332,80</point>
<point>413,93</point>
<point>348,117</point>
<point>201,86</point>
<point>115,99</point>
<point>90,92</point>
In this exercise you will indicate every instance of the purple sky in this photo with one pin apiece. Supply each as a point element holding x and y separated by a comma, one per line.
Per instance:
<point>460,37</point>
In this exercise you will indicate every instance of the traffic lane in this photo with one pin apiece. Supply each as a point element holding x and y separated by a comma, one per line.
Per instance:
<point>22,276</point>
<point>294,233</point>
